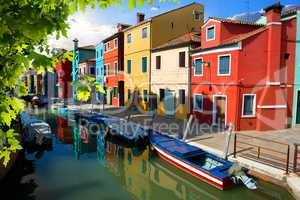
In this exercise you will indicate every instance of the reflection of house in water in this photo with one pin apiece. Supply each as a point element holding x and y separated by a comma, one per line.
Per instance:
<point>136,172</point>
<point>114,155</point>
<point>64,131</point>
<point>84,142</point>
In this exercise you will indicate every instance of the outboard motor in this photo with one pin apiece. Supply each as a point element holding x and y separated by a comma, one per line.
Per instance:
<point>238,176</point>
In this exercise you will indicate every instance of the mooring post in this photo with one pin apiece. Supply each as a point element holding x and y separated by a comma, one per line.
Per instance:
<point>187,128</point>
<point>295,157</point>
<point>227,142</point>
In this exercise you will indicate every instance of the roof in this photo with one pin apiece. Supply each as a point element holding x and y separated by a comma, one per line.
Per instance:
<point>89,47</point>
<point>236,39</point>
<point>150,19</point>
<point>111,37</point>
<point>193,37</point>
<point>241,37</point>
<point>234,21</point>
<point>291,11</point>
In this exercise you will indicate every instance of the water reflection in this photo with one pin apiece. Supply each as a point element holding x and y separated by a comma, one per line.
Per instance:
<point>104,169</point>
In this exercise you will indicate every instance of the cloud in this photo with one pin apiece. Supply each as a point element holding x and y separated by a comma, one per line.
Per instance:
<point>86,29</point>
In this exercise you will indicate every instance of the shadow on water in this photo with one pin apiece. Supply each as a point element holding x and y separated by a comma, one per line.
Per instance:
<point>13,186</point>
<point>80,165</point>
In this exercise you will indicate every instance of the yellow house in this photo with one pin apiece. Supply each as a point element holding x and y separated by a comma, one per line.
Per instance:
<point>148,34</point>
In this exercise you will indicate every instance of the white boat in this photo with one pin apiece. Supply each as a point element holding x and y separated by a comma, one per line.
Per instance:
<point>35,130</point>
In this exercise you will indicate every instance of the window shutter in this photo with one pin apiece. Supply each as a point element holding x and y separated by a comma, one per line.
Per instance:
<point>158,62</point>
<point>182,59</point>
<point>161,94</point>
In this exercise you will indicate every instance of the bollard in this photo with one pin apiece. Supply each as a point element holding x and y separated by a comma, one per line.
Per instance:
<point>228,137</point>
<point>188,126</point>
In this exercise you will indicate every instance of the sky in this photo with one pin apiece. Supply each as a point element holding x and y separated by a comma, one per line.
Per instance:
<point>93,25</point>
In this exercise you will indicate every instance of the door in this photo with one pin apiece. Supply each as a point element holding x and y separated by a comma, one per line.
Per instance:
<point>109,97</point>
<point>298,109</point>
<point>220,111</point>
<point>170,102</point>
<point>121,93</point>
<point>153,102</point>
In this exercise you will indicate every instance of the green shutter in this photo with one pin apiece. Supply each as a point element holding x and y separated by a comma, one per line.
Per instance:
<point>198,67</point>
<point>128,66</point>
<point>144,64</point>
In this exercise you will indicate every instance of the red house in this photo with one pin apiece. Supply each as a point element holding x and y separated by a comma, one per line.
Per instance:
<point>113,53</point>
<point>244,72</point>
<point>64,79</point>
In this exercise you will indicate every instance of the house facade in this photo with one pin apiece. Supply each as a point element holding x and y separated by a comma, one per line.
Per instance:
<point>84,55</point>
<point>64,79</point>
<point>148,34</point>
<point>113,64</point>
<point>244,72</point>
<point>296,99</point>
<point>99,69</point>
<point>170,70</point>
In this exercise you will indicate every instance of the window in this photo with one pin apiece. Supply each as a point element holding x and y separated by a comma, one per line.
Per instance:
<point>145,32</point>
<point>92,70</point>
<point>129,93</point>
<point>196,15</point>
<point>106,69</point>
<point>129,40</point>
<point>198,102</point>
<point>144,64</point>
<point>105,47</point>
<point>249,105</point>
<point>101,53</point>
<point>115,91</point>
<point>145,95</point>
<point>210,33</point>
<point>224,65</point>
<point>181,96</point>
<point>116,43</point>
<point>158,62</point>
<point>161,94</point>
<point>116,68</point>
<point>97,56</point>
<point>198,71</point>
<point>182,59</point>
<point>129,66</point>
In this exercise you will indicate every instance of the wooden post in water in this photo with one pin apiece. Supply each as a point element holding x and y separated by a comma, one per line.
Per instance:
<point>187,128</point>
<point>227,142</point>
<point>295,157</point>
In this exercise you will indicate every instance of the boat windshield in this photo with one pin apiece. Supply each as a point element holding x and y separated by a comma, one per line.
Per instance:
<point>205,162</point>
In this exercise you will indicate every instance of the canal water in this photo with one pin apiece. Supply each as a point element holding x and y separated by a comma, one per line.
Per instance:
<point>86,167</point>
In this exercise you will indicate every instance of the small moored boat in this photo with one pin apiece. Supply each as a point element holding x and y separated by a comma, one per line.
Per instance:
<point>201,164</point>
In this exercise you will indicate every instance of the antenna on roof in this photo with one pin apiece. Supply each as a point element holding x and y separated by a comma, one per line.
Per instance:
<point>247,4</point>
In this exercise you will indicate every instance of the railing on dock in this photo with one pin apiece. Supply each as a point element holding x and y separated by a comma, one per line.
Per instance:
<point>265,151</point>
<point>296,164</point>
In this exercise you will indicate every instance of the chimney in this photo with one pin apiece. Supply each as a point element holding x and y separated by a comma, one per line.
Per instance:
<point>140,17</point>
<point>273,12</point>
<point>273,15</point>
<point>121,27</point>
<point>75,44</point>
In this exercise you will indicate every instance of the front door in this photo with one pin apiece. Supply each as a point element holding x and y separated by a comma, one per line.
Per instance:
<point>298,109</point>
<point>121,93</point>
<point>220,111</point>
<point>170,102</point>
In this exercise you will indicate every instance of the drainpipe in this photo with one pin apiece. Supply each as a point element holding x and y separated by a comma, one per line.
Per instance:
<point>190,82</point>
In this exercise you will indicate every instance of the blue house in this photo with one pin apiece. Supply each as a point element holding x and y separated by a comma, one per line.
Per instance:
<point>80,54</point>
<point>99,69</point>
